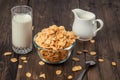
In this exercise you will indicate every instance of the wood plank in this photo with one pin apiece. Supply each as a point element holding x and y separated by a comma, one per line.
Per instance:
<point>8,69</point>
<point>116,10</point>
<point>114,40</point>
<point>93,74</point>
<point>106,49</point>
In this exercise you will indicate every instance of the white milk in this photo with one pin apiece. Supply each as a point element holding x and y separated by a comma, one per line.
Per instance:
<point>22,30</point>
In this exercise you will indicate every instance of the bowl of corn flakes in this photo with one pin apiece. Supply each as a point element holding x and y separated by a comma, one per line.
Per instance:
<point>54,44</point>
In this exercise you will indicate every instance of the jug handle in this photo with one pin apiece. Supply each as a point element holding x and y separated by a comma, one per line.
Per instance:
<point>101,25</point>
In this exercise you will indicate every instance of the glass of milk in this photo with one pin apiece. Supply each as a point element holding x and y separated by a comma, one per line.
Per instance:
<point>21,29</point>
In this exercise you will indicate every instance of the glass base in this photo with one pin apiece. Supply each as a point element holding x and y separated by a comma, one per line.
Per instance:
<point>84,39</point>
<point>21,50</point>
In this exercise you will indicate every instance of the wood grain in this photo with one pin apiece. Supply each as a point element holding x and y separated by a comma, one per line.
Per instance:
<point>49,12</point>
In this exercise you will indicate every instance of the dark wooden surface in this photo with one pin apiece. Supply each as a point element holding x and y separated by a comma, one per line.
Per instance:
<point>48,12</point>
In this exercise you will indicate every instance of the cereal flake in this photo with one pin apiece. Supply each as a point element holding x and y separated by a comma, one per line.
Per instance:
<point>41,63</point>
<point>23,58</point>
<point>7,53</point>
<point>28,74</point>
<point>70,77</point>
<point>100,60</point>
<point>25,61</point>
<point>58,72</point>
<point>92,53</point>
<point>75,59</point>
<point>20,66</point>
<point>42,75</point>
<point>13,59</point>
<point>76,68</point>
<point>79,52</point>
<point>114,63</point>
<point>92,41</point>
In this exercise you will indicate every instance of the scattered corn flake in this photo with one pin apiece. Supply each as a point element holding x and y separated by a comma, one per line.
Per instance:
<point>7,53</point>
<point>25,61</point>
<point>100,60</point>
<point>85,51</point>
<point>76,68</point>
<point>75,59</point>
<point>92,53</point>
<point>58,72</point>
<point>41,63</point>
<point>28,74</point>
<point>114,63</point>
<point>20,66</point>
<point>42,75</point>
<point>70,77</point>
<point>79,52</point>
<point>92,41</point>
<point>23,58</point>
<point>13,59</point>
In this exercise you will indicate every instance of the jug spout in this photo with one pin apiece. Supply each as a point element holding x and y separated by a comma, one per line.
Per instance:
<point>77,12</point>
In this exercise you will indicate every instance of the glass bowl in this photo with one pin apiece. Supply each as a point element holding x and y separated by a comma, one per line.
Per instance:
<point>53,56</point>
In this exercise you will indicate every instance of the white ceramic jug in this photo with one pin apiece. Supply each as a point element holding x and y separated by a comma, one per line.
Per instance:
<point>85,24</point>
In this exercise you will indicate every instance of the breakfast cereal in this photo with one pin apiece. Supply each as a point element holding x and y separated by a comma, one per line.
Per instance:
<point>54,40</point>
<point>20,66</point>
<point>23,58</point>
<point>79,52</point>
<point>92,41</point>
<point>70,77</point>
<point>25,61</point>
<point>114,63</point>
<point>92,53</point>
<point>13,59</point>
<point>7,53</point>
<point>42,75</point>
<point>58,72</point>
<point>75,59</point>
<point>76,68</point>
<point>28,74</point>
<point>100,60</point>
<point>41,63</point>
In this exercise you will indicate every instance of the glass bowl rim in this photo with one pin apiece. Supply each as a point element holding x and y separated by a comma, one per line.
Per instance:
<point>37,46</point>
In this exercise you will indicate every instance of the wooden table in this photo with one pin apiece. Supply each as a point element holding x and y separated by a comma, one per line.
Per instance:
<point>49,12</point>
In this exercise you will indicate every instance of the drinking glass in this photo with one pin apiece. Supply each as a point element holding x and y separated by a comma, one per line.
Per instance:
<point>21,29</point>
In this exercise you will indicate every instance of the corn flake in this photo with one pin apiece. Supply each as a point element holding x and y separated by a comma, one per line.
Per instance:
<point>100,60</point>
<point>70,77</point>
<point>114,63</point>
<point>20,66</point>
<point>13,59</point>
<point>79,52</point>
<point>42,75</point>
<point>76,68</point>
<point>7,53</point>
<point>41,63</point>
<point>58,72</point>
<point>75,59</point>
<point>28,74</point>
<point>92,41</point>
<point>25,61</point>
<point>23,58</point>
<point>92,53</point>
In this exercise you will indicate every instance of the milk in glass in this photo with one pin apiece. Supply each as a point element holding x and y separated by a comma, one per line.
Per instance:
<point>22,33</point>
